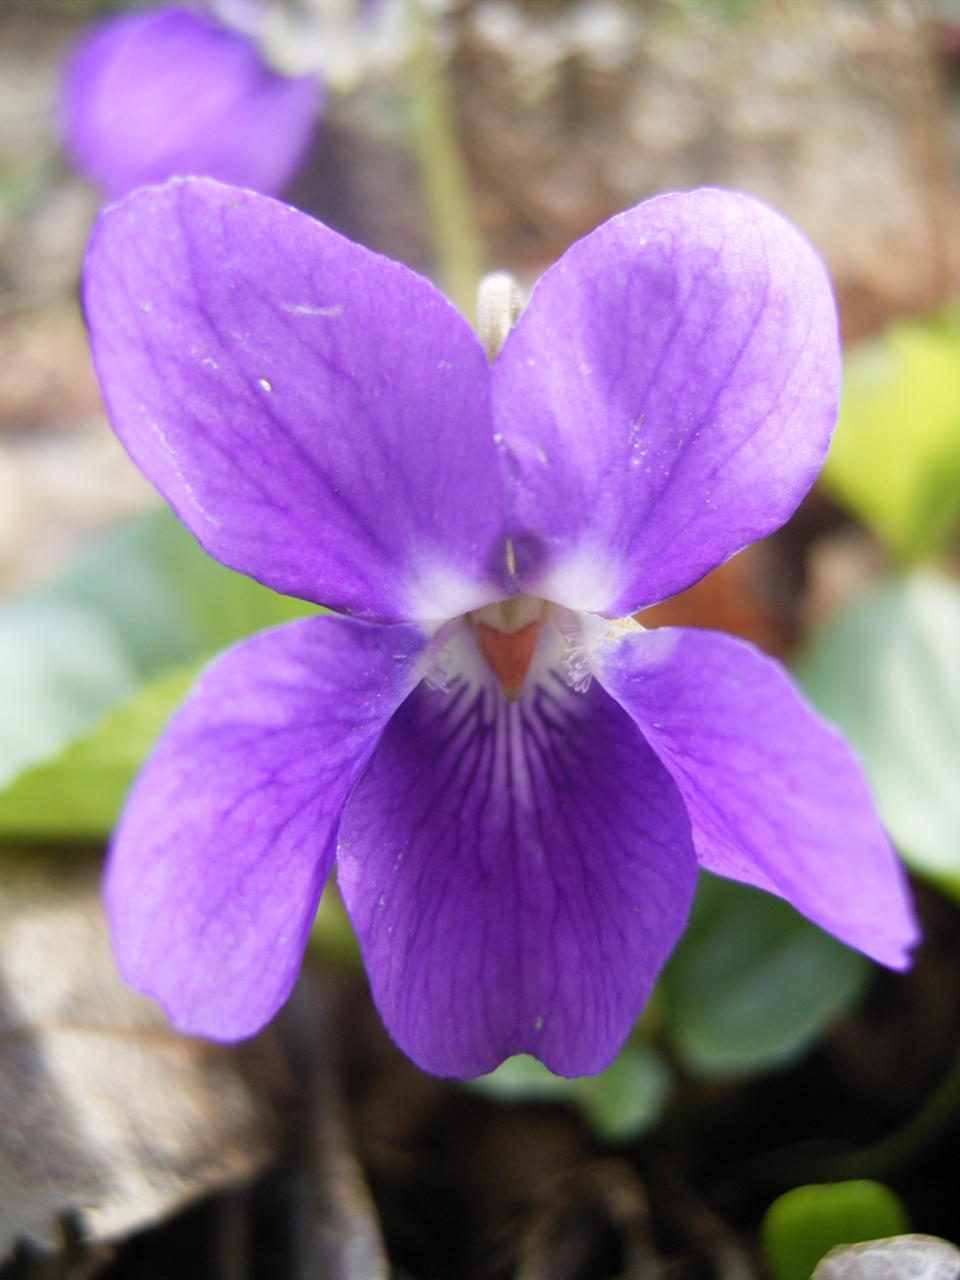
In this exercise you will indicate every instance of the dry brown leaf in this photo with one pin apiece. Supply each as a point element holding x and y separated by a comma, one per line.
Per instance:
<point>106,1114</point>
<point>730,598</point>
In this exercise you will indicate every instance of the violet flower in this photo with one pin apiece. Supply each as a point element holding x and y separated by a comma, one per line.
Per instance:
<point>151,95</point>
<point>517,786</point>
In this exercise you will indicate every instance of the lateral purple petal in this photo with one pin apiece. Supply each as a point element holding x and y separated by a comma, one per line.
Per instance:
<point>151,95</point>
<point>316,414</point>
<point>775,795</point>
<point>229,833</point>
<point>516,874</point>
<point>666,398</point>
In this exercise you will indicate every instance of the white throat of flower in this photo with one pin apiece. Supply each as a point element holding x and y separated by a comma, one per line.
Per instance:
<point>516,638</point>
<point>507,636</point>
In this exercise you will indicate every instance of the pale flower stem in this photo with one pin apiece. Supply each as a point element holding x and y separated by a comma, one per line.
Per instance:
<point>442,171</point>
<point>498,309</point>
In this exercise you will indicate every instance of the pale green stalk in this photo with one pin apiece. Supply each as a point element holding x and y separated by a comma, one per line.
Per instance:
<point>443,174</point>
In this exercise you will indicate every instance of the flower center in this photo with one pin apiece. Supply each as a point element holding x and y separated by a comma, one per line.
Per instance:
<point>506,635</point>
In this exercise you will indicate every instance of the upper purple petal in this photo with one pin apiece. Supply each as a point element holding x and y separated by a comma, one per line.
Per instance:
<point>227,837</point>
<point>775,795</point>
<point>666,398</point>
<point>316,414</point>
<point>151,95</point>
<point>516,873</point>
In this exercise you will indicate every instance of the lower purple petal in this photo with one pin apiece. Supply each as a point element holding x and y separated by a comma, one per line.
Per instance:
<point>776,797</point>
<point>516,874</point>
<point>153,95</point>
<point>229,833</point>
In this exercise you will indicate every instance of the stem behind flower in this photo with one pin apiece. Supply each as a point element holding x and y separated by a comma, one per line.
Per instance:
<point>443,174</point>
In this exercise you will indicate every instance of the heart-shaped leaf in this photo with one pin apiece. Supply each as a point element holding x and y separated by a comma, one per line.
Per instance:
<point>145,603</point>
<point>78,794</point>
<point>620,1103</point>
<point>61,667</point>
<point>751,983</point>
<point>887,671</point>
<point>895,457</point>
<point>168,600</point>
<point>804,1224</point>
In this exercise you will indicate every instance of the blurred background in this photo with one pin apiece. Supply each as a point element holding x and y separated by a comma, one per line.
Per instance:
<point>461,136</point>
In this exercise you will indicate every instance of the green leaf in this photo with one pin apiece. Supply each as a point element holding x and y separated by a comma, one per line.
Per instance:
<point>625,1101</point>
<point>803,1225</point>
<point>523,1079</point>
<point>144,600</point>
<point>61,668</point>
<point>751,983</point>
<point>332,939</point>
<point>620,1103</point>
<point>895,457</point>
<point>887,671</point>
<point>78,794</point>
<point>169,600</point>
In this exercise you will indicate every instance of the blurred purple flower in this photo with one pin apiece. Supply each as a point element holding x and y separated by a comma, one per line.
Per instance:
<point>151,95</point>
<point>517,790</point>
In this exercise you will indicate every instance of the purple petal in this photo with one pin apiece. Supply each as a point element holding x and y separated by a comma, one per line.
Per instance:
<point>317,415</point>
<point>227,837</point>
<point>516,874</point>
<point>151,95</point>
<point>666,398</point>
<point>775,795</point>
